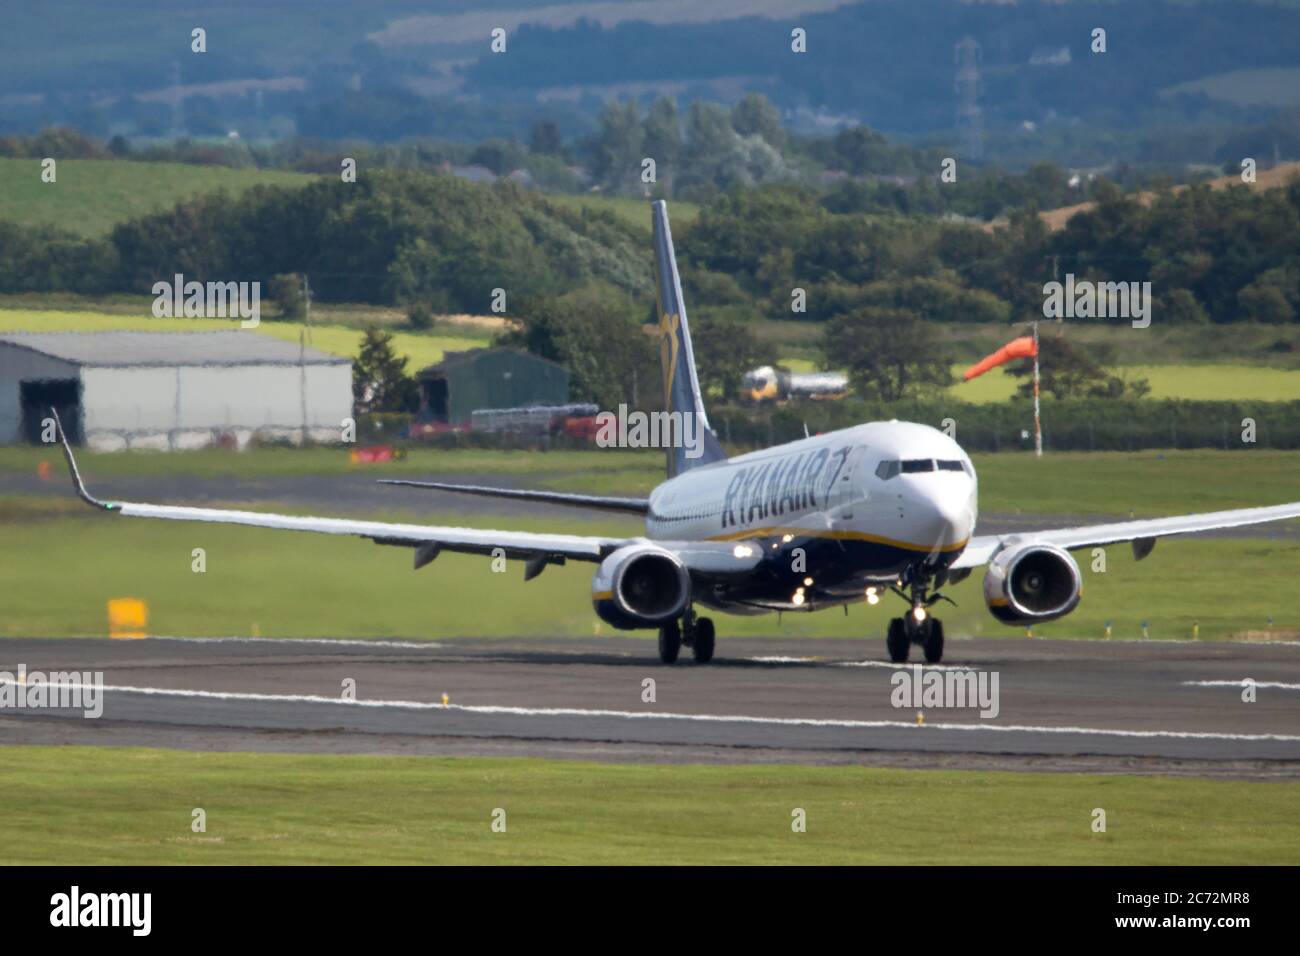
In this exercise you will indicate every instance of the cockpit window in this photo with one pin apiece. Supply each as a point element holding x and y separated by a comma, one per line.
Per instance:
<point>887,469</point>
<point>914,466</point>
<point>951,466</point>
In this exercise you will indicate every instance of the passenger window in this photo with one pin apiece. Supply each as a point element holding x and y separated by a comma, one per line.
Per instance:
<point>915,466</point>
<point>886,470</point>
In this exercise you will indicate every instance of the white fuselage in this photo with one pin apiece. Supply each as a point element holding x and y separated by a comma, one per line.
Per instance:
<point>860,504</point>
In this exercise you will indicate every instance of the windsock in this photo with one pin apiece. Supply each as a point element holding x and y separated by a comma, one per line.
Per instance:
<point>1022,347</point>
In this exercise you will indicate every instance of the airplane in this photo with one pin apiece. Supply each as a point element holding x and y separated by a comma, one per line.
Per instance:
<point>852,515</point>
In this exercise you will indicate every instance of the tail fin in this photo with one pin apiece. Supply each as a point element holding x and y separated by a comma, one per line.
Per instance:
<point>681,385</point>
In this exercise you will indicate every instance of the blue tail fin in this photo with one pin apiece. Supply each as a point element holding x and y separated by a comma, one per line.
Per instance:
<point>681,385</point>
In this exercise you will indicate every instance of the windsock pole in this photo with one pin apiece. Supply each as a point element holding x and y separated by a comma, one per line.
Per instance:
<point>1038,425</point>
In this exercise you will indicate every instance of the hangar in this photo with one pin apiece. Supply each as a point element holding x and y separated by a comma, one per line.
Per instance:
<point>170,390</point>
<point>464,382</point>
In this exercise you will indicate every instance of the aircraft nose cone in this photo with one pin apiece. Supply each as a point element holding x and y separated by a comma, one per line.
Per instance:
<point>947,520</point>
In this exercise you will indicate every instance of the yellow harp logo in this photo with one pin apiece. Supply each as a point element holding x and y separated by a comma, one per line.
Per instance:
<point>669,345</point>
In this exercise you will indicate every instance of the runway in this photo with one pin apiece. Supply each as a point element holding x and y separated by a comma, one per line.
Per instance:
<point>1138,707</point>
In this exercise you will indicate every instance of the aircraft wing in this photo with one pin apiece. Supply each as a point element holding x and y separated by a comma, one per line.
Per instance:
<point>983,548</point>
<point>706,557</point>
<point>596,502</point>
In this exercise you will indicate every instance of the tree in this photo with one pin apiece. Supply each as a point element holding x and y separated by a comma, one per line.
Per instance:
<point>663,140</point>
<point>725,349</point>
<point>379,379</point>
<point>889,354</point>
<point>286,290</point>
<point>1068,372</point>
<point>595,332</point>
<point>755,115</point>
<point>545,140</point>
<point>617,161</point>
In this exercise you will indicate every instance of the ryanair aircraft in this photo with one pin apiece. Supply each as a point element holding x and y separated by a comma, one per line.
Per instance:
<point>883,508</point>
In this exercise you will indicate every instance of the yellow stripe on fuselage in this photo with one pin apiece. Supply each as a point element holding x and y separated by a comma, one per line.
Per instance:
<point>836,536</point>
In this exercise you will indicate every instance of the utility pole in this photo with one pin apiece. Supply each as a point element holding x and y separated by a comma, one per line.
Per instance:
<point>970,118</point>
<point>1038,424</point>
<point>306,297</point>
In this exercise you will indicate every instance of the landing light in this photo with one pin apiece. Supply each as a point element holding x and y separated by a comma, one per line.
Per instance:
<point>872,596</point>
<point>787,538</point>
<point>797,600</point>
<point>807,582</point>
<point>743,551</point>
<point>919,614</point>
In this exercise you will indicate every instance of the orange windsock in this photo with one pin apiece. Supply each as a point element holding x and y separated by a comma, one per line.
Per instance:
<point>1022,347</point>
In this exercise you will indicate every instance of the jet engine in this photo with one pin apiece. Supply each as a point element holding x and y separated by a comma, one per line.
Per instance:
<point>1032,582</point>
<point>640,585</point>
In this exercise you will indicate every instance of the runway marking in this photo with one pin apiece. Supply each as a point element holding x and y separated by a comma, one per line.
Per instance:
<point>289,641</point>
<point>489,709</point>
<point>890,665</point>
<point>1274,685</point>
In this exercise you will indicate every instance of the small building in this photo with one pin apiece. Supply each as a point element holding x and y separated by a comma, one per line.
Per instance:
<point>488,378</point>
<point>170,390</point>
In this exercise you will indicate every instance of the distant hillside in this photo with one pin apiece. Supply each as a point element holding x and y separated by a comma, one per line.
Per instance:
<point>91,196</point>
<point>1280,175</point>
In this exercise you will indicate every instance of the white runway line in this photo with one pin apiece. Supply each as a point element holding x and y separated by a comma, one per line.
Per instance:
<point>702,718</point>
<point>291,641</point>
<point>1275,685</point>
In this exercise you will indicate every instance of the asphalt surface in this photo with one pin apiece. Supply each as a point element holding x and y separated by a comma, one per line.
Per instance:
<point>1134,707</point>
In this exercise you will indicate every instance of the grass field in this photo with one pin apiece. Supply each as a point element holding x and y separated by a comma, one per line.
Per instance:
<point>91,196</point>
<point>420,348</point>
<point>276,584</point>
<point>1189,381</point>
<point>627,208</point>
<point>134,806</point>
<point>1147,483</point>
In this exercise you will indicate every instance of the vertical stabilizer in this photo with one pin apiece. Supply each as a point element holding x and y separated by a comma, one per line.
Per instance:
<point>681,385</point>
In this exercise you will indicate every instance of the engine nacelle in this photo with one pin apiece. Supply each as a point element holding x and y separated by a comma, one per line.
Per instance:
<point>640,585</point>
<point>1032,582</point>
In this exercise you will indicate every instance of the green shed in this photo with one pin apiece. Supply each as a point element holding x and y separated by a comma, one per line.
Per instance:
<point>488,378</point>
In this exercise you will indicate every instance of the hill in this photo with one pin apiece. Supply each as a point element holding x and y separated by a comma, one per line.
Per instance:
<point>91,196</point>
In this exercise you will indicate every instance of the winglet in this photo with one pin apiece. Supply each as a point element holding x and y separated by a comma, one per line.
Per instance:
<point>77,483</point>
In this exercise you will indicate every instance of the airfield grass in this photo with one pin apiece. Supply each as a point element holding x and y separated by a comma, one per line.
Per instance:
<point>1148,483</point>
<point>1195,382</point>
<point>61,566</point>
<point>91,196</point>
<point>420,349</point>
<point>82,806</point>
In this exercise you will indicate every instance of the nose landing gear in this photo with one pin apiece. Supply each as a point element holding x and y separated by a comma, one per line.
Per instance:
<point>917,626</point>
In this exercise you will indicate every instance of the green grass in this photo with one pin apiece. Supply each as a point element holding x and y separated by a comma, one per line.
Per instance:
<point>1206,382</point>
<point>421,349</point>
<point>1148,483</point>
<point>134,806</point>
<point>91,196</point>
<point>278,584</point>
<point>631,210</point>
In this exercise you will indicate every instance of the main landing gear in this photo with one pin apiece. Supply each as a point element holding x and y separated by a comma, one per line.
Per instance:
<point>916,626</point>
<point>695,632</point>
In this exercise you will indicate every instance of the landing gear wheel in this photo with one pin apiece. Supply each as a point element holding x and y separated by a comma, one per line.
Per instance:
<point>702,646</point>
<point>932,642</point>
<point>670,642</point>
<point>897,641</point>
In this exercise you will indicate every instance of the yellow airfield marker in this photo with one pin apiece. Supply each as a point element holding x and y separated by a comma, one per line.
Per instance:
<point>127,618</point>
